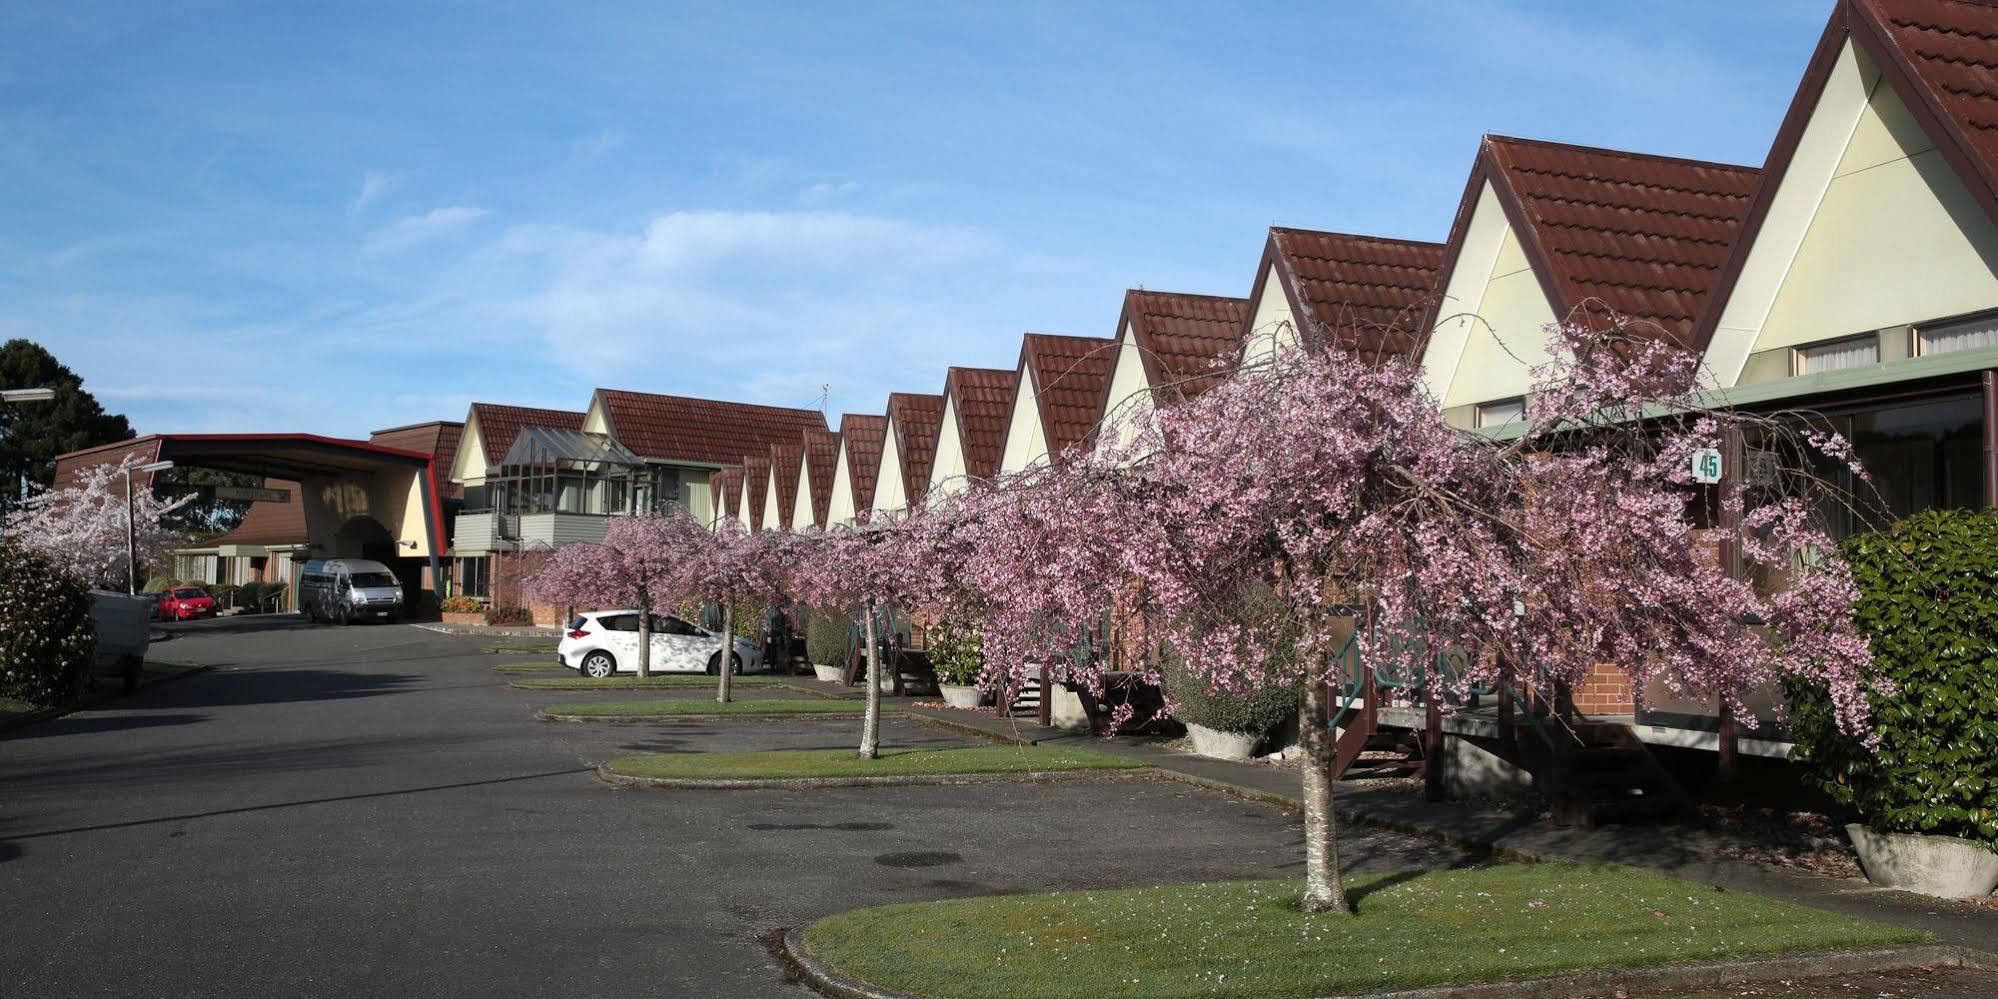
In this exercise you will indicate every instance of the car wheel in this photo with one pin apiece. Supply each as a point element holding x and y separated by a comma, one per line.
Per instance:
<point>734,662</point>
<point>598,665</point>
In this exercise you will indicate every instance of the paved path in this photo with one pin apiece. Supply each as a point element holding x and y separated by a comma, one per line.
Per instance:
<point>370,811</point>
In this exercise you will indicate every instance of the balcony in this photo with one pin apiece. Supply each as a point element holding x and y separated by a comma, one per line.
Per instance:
<point>485,531</point>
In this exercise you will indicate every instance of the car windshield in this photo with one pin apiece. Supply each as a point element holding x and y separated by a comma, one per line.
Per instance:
<point>189,593</point>
<point>373,579</point>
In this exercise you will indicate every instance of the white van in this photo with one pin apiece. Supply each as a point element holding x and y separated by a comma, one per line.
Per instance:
<point>345,590</point>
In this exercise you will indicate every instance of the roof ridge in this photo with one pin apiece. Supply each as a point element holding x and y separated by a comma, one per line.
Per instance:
<point>718,402</point>
<point>1185,294</point>
<point>1494,137</point>
<point>1351,235</point>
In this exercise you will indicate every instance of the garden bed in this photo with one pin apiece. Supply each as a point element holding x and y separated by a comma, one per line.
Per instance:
<point>1250,939</point>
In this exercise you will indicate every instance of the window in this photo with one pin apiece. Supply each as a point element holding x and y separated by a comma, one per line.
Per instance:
<point>673,626</point>
<point>1926,455</point>
<point>477,574</point>
<point>619,622</point>
<point>1502,412</point>
<point>367,579</point>
<point>1836,355</point>
<point>1966,334</point>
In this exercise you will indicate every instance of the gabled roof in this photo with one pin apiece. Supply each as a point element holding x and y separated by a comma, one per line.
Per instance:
<point>700,431</point>
<point>1941,58</point>
<point>1181,339</point>
<point>499,425</point>
<point>917,418</point>
<point>1366,294</point>
<point>727,488</point>
<point>755,487</point>
<point>785,462</point>
<point>983,400</point>
<point>272,523</point>
<point>820,461</point>
<point>1070,375</point>
<point>1645,235</point>
<point>862,438</point>
<point>437,438</point>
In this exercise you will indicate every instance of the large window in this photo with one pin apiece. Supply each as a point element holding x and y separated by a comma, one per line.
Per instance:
<point>477,575</point>
<point>1923,455</point>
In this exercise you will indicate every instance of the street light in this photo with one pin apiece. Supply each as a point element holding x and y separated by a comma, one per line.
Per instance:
<point>27,395</point>
<point>132,527</point>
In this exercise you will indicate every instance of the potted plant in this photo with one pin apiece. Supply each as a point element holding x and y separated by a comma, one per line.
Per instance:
<point>826,642</point>
<point>957,652</point>
<point>1224,725</point>
<point>1927,793</point>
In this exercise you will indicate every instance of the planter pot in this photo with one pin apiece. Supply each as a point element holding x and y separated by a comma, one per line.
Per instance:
<point>960,696</point>
<point>1943,866</point>
<point>830,674</point>
<point>1222,745</point>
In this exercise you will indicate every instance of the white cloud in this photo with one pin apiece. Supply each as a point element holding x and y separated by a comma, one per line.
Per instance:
<point>412,230</point>
<point>822,191</point>
<point>373,183</point>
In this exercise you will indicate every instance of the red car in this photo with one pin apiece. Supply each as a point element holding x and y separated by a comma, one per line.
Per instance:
<point>186,603</point>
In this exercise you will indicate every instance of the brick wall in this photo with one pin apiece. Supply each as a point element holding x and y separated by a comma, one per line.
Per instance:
<point>1606,691</point>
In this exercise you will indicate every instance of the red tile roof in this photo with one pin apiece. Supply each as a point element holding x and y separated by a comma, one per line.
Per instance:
<point>1365,293</point>
<point>1069,374</point>
<point>727,488</point>
<point>785,462</point>
<point>755,487</point>
<point>862,438</point>
<point>983,399</point>
<point>1180,338</point>
<point>916,418</point>
<point>437,438</point>
<point>70,465</point>
<point>1941,58</point>
<point>1644,235</point>
<point>702,431</point>
<point>273,523</point>
<point>499,425</point>
<point>821,460</point>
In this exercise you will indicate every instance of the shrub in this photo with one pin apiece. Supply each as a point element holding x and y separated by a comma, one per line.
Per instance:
<point>161,584</point>
<point>957,651</point>
<point>1196,703</point>
<point>461,605</point>
<point>250,595</point>
<point>1929,604</point>
<point>826,636</point>
<point>272,595</point>
<point>224,594</point>
<point>47,641</point>
<point>509,615</point>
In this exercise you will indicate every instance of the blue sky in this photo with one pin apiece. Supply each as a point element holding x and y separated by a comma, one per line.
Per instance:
<point>332,218</point>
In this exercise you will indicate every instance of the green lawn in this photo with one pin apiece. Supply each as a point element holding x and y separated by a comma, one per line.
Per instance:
<point>522,646</point>
<point>703,706</point>
<point>530,666</point>
<point>628,682</point>
<point>796,763</point>
<point>1249,939</point>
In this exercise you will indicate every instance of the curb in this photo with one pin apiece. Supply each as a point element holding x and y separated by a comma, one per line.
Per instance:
<point>615,779</point>
<point>655,719</point>
<point>45,714</point>
<point>825,979</point>
<point>519,684</point>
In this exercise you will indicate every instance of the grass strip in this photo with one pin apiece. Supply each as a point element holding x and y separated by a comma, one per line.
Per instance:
<point>703,706</point>
<point>1249,939</point>
<point>537,646</point>
<point>531,666</point>
<point>788,764</point>
<point>630,682</point>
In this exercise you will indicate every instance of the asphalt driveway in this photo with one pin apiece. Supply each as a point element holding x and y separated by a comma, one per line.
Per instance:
<point>371,810</point>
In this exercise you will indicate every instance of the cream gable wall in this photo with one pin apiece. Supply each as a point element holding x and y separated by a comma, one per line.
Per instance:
<point>771,520</point>
<point>947,473</point>
<point>1273,327</point>
<point>1130,392</point>
<point>841,510</point>
<point>1026,439</point>
<point>888,492</point>
<point>469,464</point>
<point>1492,325</point>
<point>801,505</point>
<point>596,421</point>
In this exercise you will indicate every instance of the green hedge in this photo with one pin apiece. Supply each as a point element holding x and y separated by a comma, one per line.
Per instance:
<point>826,635</point>
<point>1196,703</point>
<point>1929,604</point>
<point>47,641</point>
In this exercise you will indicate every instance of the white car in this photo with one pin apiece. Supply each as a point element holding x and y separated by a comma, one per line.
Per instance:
<point>604,643</point>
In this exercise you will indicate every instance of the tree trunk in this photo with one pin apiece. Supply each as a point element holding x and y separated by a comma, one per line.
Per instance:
<point>1323,891</point>
<point>644,638</point>
<point>870,730</point>
<point>727,648</point>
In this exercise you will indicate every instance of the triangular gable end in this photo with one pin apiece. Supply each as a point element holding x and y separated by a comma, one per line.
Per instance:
<point>597,418</point>
<point>1128,398</point>
<point>890,495</point>
<point>1490,322</point>
<point>470,461</point>
<point>948,472</point>
<point>1026,434</point>
<point>1877,211</point>
<point>1272,325</point>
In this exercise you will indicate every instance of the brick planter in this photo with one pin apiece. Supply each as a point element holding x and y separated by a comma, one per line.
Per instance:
<point>467,617</point>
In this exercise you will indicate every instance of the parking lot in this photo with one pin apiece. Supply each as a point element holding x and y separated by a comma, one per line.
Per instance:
<point>371,810</point>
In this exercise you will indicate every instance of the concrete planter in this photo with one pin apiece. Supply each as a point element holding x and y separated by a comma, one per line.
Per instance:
<point>958,695</point>
<point>829,674</point>
<point>1237,746</point>
<point>1943,866</point>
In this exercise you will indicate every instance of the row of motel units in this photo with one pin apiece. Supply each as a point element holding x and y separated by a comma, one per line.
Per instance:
<point>1855,275</point>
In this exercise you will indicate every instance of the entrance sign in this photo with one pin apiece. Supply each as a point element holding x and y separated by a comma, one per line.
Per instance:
<point>252,494</point>
<point>1706,466</point>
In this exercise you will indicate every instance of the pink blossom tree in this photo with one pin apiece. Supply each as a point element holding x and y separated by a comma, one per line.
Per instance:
<point>642,563</point>
<point>83,528</point>
<point>731,565</point>
<point>873,568</point>
<point>1337,486</point>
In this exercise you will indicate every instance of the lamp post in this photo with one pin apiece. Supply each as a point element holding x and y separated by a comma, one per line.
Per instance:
<point>132,526</point>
